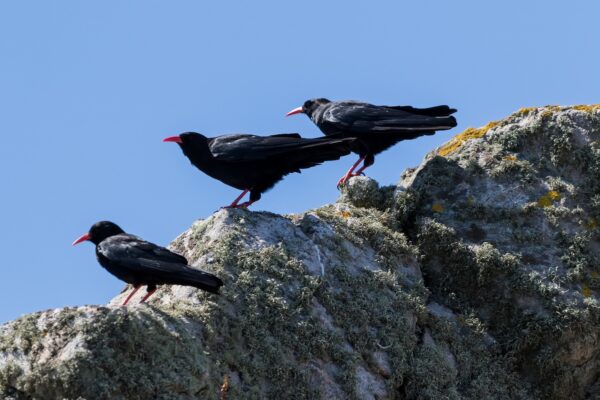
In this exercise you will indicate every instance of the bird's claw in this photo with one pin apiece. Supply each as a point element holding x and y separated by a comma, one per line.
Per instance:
<point>243,205</point>
<point>343,180</point>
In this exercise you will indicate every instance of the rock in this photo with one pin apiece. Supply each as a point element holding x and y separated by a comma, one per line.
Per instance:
<point>361,191</point>
<point>477,277</point>
<point>507,223</point>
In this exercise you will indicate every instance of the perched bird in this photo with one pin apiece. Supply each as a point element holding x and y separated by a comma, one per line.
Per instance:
<point>376,128</point>
<point>255,163</point>
<point>138,262</point>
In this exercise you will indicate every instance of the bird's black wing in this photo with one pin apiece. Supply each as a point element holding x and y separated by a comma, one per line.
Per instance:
<point>360,118</point>
<point>145,258</point>
<point>298,151</point>
<point>223,144</point>
<point>289,135</point>
<point>436,111</point>
<point>243,147</point>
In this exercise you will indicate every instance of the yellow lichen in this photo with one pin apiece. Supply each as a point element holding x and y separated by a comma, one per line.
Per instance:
<point>547,199</point>
<point>548,110</point>
<point>587,108</point>
<point>437,207</point>
<point>449,147</point>
<point>586,291</point>
<point>345,214</point>
<point>510,157</point>
<point>225,388</point>
<point>525,111</point>
<point>461,138</point>
<point>554,195</point>
<point>547,113</point>
<point>591,224</point>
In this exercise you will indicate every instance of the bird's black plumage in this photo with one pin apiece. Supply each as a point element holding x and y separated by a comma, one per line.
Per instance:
<point>139,262</point>
<point>376,128</point>
<point>255,163</point>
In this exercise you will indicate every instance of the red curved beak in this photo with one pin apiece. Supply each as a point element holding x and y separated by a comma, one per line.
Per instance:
<point>297,110</point>
<point>80,239</point>
<point>175,139</point>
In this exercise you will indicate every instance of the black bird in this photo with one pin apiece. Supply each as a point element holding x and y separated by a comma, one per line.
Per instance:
<point>138,262</point>
<point>376,128</point>
<point>255,163</point>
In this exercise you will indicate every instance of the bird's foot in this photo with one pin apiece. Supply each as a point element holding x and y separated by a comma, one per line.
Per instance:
<point>344,179</point>
<point>235,204</point>
<point>149,293</point>
<point>243,205</point>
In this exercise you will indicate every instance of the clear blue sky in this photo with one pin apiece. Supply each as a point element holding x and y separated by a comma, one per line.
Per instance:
<point>89,89</point>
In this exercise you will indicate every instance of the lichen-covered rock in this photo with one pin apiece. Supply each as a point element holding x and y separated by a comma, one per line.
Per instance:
<point>477,277</point>
<point>364,192</point>
<point>100,353</point>
<point>507,223</point>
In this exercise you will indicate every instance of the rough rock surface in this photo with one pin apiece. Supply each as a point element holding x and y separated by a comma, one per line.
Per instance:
<point>477,277</point>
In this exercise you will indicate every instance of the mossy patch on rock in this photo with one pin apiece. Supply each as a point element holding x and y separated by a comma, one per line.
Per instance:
<point>101,353</point>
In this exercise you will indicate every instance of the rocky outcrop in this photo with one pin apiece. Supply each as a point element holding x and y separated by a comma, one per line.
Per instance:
<point>476,277</point>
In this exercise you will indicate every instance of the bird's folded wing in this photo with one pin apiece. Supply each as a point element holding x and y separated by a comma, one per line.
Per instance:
<point>361,117</point>
<point>245,148</point>
<point>139,255</point>
<point>148,259</point>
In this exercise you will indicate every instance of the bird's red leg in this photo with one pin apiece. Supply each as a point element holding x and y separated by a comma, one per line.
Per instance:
<point>150,292</point>
<point>349,174</point>
<point>135,289</point>
<point>360,171</point>
<point>234,204</point>
<point>246,204</point>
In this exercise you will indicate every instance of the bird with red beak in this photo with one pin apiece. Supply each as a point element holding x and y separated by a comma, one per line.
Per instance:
<point>375,128</point>
<point>256,163</point>
<point>140,263</point>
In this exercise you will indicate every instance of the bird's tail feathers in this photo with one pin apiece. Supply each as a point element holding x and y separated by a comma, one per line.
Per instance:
<point>199,279</point>
<point>437,111</point>
<point>415,124</point>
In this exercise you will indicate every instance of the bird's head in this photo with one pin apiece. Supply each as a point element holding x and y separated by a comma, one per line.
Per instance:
<point>309,107</point>
<point>100,231</point>
<point>194,145</point>
<point>187,139</point>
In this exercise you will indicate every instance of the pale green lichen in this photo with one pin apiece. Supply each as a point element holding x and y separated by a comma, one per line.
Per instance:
<point>472,367</point>
<point>365,192</point>
<point>483,277</point>
<point>508,169</point>
<point>550,275</point>
<point>276,333</point>
<point>404,208</point>
<point>123,345</point>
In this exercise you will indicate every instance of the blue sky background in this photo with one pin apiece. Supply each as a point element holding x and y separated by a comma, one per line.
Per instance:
<point>89,89</point>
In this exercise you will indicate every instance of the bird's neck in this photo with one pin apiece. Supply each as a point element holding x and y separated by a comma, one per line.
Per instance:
<point>199,153</point>
<point>317,114</point>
